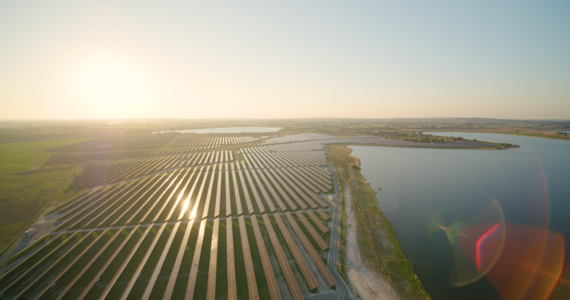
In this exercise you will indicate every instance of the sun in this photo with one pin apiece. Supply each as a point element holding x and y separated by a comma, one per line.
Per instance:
<point>111,85</point>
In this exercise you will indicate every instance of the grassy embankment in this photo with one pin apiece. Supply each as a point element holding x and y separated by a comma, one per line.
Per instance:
<point>377,240</point>
<point>22,198</point>
<point>17,157</point>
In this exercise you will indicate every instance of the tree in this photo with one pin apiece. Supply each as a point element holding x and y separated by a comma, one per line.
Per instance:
<point>355,167</point>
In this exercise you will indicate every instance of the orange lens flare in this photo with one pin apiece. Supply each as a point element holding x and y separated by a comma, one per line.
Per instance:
<point>476,243</point>
<point>530,265</point>
<point>480,241</point>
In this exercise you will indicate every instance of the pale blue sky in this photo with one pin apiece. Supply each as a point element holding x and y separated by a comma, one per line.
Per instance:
<point>266,59</point>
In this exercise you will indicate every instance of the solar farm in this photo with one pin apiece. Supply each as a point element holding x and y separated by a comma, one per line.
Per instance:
<point>198,218</point>
<point>193,217</point>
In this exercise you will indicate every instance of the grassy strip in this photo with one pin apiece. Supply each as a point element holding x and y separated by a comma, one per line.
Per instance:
<point>377,240</point>
<point>23,196</point>
<point>342,228</point>
<point>66,194</point>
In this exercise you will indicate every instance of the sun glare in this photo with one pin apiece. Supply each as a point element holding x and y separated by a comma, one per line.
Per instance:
<point>111,85</point>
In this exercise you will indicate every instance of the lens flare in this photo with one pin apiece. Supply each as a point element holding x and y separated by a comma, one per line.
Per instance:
<point>476,243</point>
<point>562,288</point>
<point>522,262</point>
<point>480,241</point>
<point>533,256</point>
<point>435,224</point>
<point>530,265</point>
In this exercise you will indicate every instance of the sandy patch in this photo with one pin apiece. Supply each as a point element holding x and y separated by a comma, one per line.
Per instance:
<point>368,283</point>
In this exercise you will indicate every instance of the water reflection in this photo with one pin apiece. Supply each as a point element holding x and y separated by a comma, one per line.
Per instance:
<point>530,187</point>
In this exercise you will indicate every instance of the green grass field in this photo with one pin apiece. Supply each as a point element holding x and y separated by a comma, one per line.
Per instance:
<point>22,196</point>
<point>16,157</point>
<point>64,193</point>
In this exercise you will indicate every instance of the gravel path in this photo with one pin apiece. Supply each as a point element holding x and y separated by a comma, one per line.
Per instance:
<point>368,283</point>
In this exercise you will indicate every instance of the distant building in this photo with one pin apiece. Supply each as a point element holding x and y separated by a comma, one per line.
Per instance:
<point>30,232</point>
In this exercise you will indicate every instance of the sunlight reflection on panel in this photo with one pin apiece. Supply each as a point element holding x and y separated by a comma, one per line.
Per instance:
<point>185,206</point>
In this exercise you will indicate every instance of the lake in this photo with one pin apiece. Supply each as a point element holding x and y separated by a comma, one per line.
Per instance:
<point>227,130</point>
<point>418,184</point>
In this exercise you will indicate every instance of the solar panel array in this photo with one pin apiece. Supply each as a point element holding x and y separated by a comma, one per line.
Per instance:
<point>199,225</point>
<point>94,175</point>
<point>304,137</point>
<point>185,144</point>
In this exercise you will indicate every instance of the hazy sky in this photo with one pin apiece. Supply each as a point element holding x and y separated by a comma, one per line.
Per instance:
<point>266,59</point>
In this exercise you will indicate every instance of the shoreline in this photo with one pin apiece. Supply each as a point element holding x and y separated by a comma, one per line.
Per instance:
<point>528,134</point>
<point>426,147</point>
<point>377,241</point>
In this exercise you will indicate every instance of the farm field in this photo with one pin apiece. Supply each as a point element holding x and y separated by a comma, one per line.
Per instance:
<point>223,217</point>
<point>19,156</point>
<point>22,196</point>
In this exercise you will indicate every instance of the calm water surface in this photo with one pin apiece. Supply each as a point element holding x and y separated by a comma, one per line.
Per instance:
<point>417,183</point>
<point>228,130</point>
